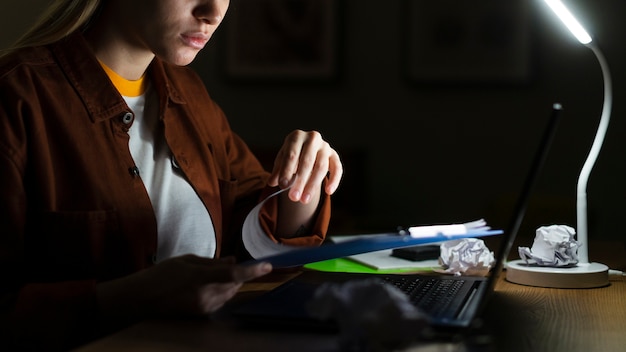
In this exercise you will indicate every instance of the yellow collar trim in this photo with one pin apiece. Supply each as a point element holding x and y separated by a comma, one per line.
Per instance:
<point>126,87</point>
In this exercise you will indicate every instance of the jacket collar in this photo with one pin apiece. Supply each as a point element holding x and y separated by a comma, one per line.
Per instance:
<point>94,87</point>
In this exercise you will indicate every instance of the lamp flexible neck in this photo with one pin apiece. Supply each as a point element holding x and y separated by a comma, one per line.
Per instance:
<point>583,178</point>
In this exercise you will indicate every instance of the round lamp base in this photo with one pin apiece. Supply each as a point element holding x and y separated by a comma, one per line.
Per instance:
<point>586,275</point>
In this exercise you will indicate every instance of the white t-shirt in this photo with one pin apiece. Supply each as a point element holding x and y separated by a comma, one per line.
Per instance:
<point>184,223</point>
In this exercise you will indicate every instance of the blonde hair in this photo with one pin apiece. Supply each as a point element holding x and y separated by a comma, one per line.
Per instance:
<point>59,20</point>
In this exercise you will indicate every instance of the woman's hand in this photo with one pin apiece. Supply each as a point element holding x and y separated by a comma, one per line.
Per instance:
<point>185,285</point>
<point>303,162</point>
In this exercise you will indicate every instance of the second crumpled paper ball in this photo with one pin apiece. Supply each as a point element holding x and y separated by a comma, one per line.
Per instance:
<point>554,245</point>
<point>467,256</point>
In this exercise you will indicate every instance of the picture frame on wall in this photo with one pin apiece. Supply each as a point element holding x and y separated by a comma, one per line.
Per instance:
<point>282,40</point>
<point>468,42</point>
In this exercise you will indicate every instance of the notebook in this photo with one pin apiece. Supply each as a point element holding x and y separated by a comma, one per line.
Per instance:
<point>451,302</point>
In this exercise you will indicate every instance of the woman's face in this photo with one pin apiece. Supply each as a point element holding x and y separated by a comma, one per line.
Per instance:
<point>174,30</point>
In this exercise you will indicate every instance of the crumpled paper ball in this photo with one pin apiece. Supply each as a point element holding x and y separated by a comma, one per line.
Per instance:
<point>371,315</point>
<point>554,245</point>
<point>466,256</point>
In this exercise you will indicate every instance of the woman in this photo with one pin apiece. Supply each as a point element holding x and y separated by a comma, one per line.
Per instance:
<point>123,188</point>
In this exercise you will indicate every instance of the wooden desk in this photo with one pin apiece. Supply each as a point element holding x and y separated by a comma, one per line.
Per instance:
<point>523,318</point>
<point>518,318</point>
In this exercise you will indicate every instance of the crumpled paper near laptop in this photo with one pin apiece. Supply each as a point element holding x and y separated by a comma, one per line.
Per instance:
<point>553,246</point>
<point>467,256</point>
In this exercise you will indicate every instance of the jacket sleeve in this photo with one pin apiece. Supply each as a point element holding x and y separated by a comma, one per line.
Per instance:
<point>268,221</point>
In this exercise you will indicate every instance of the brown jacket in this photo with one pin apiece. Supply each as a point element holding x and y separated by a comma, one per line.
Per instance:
<point>74,211</point>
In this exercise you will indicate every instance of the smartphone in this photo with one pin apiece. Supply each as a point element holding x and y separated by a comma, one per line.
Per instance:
<point>417,253</point>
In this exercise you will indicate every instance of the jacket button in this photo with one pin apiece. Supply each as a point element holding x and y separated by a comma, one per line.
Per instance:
<point>133,171</point>
<point>175,163</point>
<point>127,118</point>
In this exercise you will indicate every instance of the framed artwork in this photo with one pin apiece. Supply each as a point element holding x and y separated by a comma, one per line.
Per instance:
<point>471,41</point>
<point>282,40</point>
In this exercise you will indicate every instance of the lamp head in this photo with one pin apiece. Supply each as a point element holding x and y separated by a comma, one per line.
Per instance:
<point>569,20</point>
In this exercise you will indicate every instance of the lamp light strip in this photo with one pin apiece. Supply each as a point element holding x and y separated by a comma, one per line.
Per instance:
<point>569,20</point>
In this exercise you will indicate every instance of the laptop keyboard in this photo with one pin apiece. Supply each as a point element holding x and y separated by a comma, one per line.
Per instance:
<point>433,296</point>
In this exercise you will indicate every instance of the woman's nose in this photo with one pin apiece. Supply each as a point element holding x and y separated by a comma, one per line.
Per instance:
<point>211,12</point>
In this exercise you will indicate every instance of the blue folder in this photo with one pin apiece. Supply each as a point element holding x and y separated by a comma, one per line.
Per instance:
<point>306,255</point>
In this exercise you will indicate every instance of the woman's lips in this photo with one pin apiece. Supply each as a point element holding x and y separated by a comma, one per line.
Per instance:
<point>195,40</point>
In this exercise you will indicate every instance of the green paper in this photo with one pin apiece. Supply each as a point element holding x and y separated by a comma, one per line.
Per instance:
<point>344,265</point>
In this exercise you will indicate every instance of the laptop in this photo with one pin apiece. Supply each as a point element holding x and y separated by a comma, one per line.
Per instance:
<point>452,303</point>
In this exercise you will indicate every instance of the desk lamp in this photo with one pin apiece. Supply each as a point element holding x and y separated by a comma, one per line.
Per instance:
<point>585,274</point>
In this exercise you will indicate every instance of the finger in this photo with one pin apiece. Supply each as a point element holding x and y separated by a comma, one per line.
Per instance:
<point>286,162</point>
<point>213,296</point>
<point>316,178</point>
<point>235,273</point>
<point>313,155</point>
<point>282,174</point>
<point>274,178</point>
<point>243,273</point>
<point>335,173</point>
